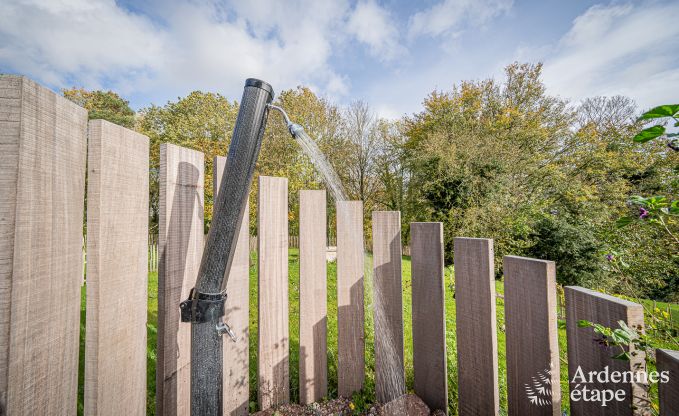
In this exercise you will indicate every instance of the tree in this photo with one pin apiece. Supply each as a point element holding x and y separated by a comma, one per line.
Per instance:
<point>105,105</point>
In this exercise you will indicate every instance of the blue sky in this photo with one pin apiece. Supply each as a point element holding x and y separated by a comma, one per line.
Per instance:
<point>390,54</point>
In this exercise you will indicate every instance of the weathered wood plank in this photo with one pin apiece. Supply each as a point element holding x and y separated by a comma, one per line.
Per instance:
<point>429,314</point>
<point>531,337</point>
<point>42,182</point>
<point>477,379</point>
<point>313,293</point>
<point>117,273</point>
<point>236,378</point>
<point>584,354</point>
<point>180,243</point>
<point>388,305</point>
<point>668,390</point>
<point>273,385</point>
<point>350,296</point>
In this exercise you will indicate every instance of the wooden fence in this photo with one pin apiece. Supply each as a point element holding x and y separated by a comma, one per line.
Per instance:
<point>45,140</point>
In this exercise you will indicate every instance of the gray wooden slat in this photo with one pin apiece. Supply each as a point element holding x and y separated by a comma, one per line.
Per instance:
<point>476,327</point>
<point>350,297</point>
<point>42,179</point>
<point>236,378</point>
<point>429,314</point>
<point>313,293</point>
<point>180,246</point>
<point>531,337</point>
<point>388,305</point>
<point>273,385</point>
<point>587,355</point>
<point>117,273</point>
<point>668,390</point>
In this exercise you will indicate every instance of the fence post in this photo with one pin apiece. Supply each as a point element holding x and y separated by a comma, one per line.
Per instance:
<point>273,386</point>
<point>476,327</point>
<point>117,226</point>
<point>532,338</point>
<point>668,390</point>
<point>429,314</point>
<point>585,354</point>
<point>388,305</point>
<point>180,245</point>
<point>235,374</point>
<point>313,293</point>
<point>42,188</point>
<point>350,297</point>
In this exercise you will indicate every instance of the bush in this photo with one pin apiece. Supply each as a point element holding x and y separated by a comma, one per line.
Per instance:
<point>573,247</point>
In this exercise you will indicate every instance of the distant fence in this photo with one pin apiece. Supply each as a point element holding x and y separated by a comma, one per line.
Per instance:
<point>41,257</point>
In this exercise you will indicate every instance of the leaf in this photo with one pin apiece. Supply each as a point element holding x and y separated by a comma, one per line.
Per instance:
<point>584,324</point>
<point>661,111</point>
<point>622,356</point>
<point>623,221</point>
<point>649,134</point>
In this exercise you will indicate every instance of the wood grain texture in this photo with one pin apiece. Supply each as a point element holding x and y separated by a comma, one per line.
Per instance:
<point>668,391</point>
<point>531,337</point>
<point>273,378</point>
<point>585,353</point>
<point>429,314</point>
<point>42,182</point>
<point>236,378</point>
<point>350,297</point>
<point>476,327</point>
<point>117,272</point>
<point>313,294</point>
<point>388,305</point>
<point>180,243</point>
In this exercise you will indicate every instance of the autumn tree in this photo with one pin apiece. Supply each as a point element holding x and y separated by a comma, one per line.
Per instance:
<point>105,105</point>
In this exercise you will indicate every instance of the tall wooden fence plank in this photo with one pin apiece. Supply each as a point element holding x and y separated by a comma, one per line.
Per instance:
<point>180,239</point>
<point>350,296</point>
<point>585,355</point>
<point>429,314</point>
<point>117,253</point>
<point>668,390</point>
<point>313,293</point>
<point>273,386</point>
<point>532,338</point>
<point>388,305</point>
<point>477,379</point>
<point>42,183</point>
<point>236,378</point>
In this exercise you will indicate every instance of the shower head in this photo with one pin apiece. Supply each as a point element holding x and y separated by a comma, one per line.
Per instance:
<point>293,128</point>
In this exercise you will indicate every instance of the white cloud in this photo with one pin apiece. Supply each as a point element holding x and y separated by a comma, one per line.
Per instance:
<point>449,16</point>
<point>372,24</point>
<point>617,49</point>
<point>211,45</point>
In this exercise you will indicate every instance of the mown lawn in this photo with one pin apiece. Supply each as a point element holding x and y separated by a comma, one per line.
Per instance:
<point>363,399</point>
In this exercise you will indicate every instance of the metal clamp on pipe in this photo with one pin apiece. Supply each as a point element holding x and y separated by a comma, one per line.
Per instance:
<point>202,307</point>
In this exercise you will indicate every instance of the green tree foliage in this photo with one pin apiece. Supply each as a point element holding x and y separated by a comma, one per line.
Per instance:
<point>200,121</point>
<point>105,105</point>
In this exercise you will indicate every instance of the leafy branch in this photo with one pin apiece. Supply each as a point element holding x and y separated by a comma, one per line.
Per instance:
<point>661,112</point>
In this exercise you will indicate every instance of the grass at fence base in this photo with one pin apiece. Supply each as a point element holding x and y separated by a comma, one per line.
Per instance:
<point>366,397</point>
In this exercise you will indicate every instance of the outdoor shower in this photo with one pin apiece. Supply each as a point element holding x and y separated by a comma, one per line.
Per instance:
<point>205,306</point>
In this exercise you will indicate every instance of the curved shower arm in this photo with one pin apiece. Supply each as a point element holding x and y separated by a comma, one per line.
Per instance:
<point>293,128</point>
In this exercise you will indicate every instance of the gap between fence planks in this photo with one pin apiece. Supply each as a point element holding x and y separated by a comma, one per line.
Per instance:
<point>388,305</point>
<point>236,377</point>
<point>586,354</point>
<point>668,391</point>
<point>531,337</point>
<point>273,385</point>
<point>429,314</point>
<point>476,327</point>
<point>42,183</point>
<point>350,297</point>
<point>180,242</point>
<point>117,224</point>
<point>313,294</point>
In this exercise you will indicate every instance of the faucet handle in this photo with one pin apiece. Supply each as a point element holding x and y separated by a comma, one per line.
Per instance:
<point>224,328</point>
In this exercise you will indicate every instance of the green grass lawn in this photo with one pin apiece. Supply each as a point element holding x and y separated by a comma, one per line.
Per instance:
<point>363,399</point>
